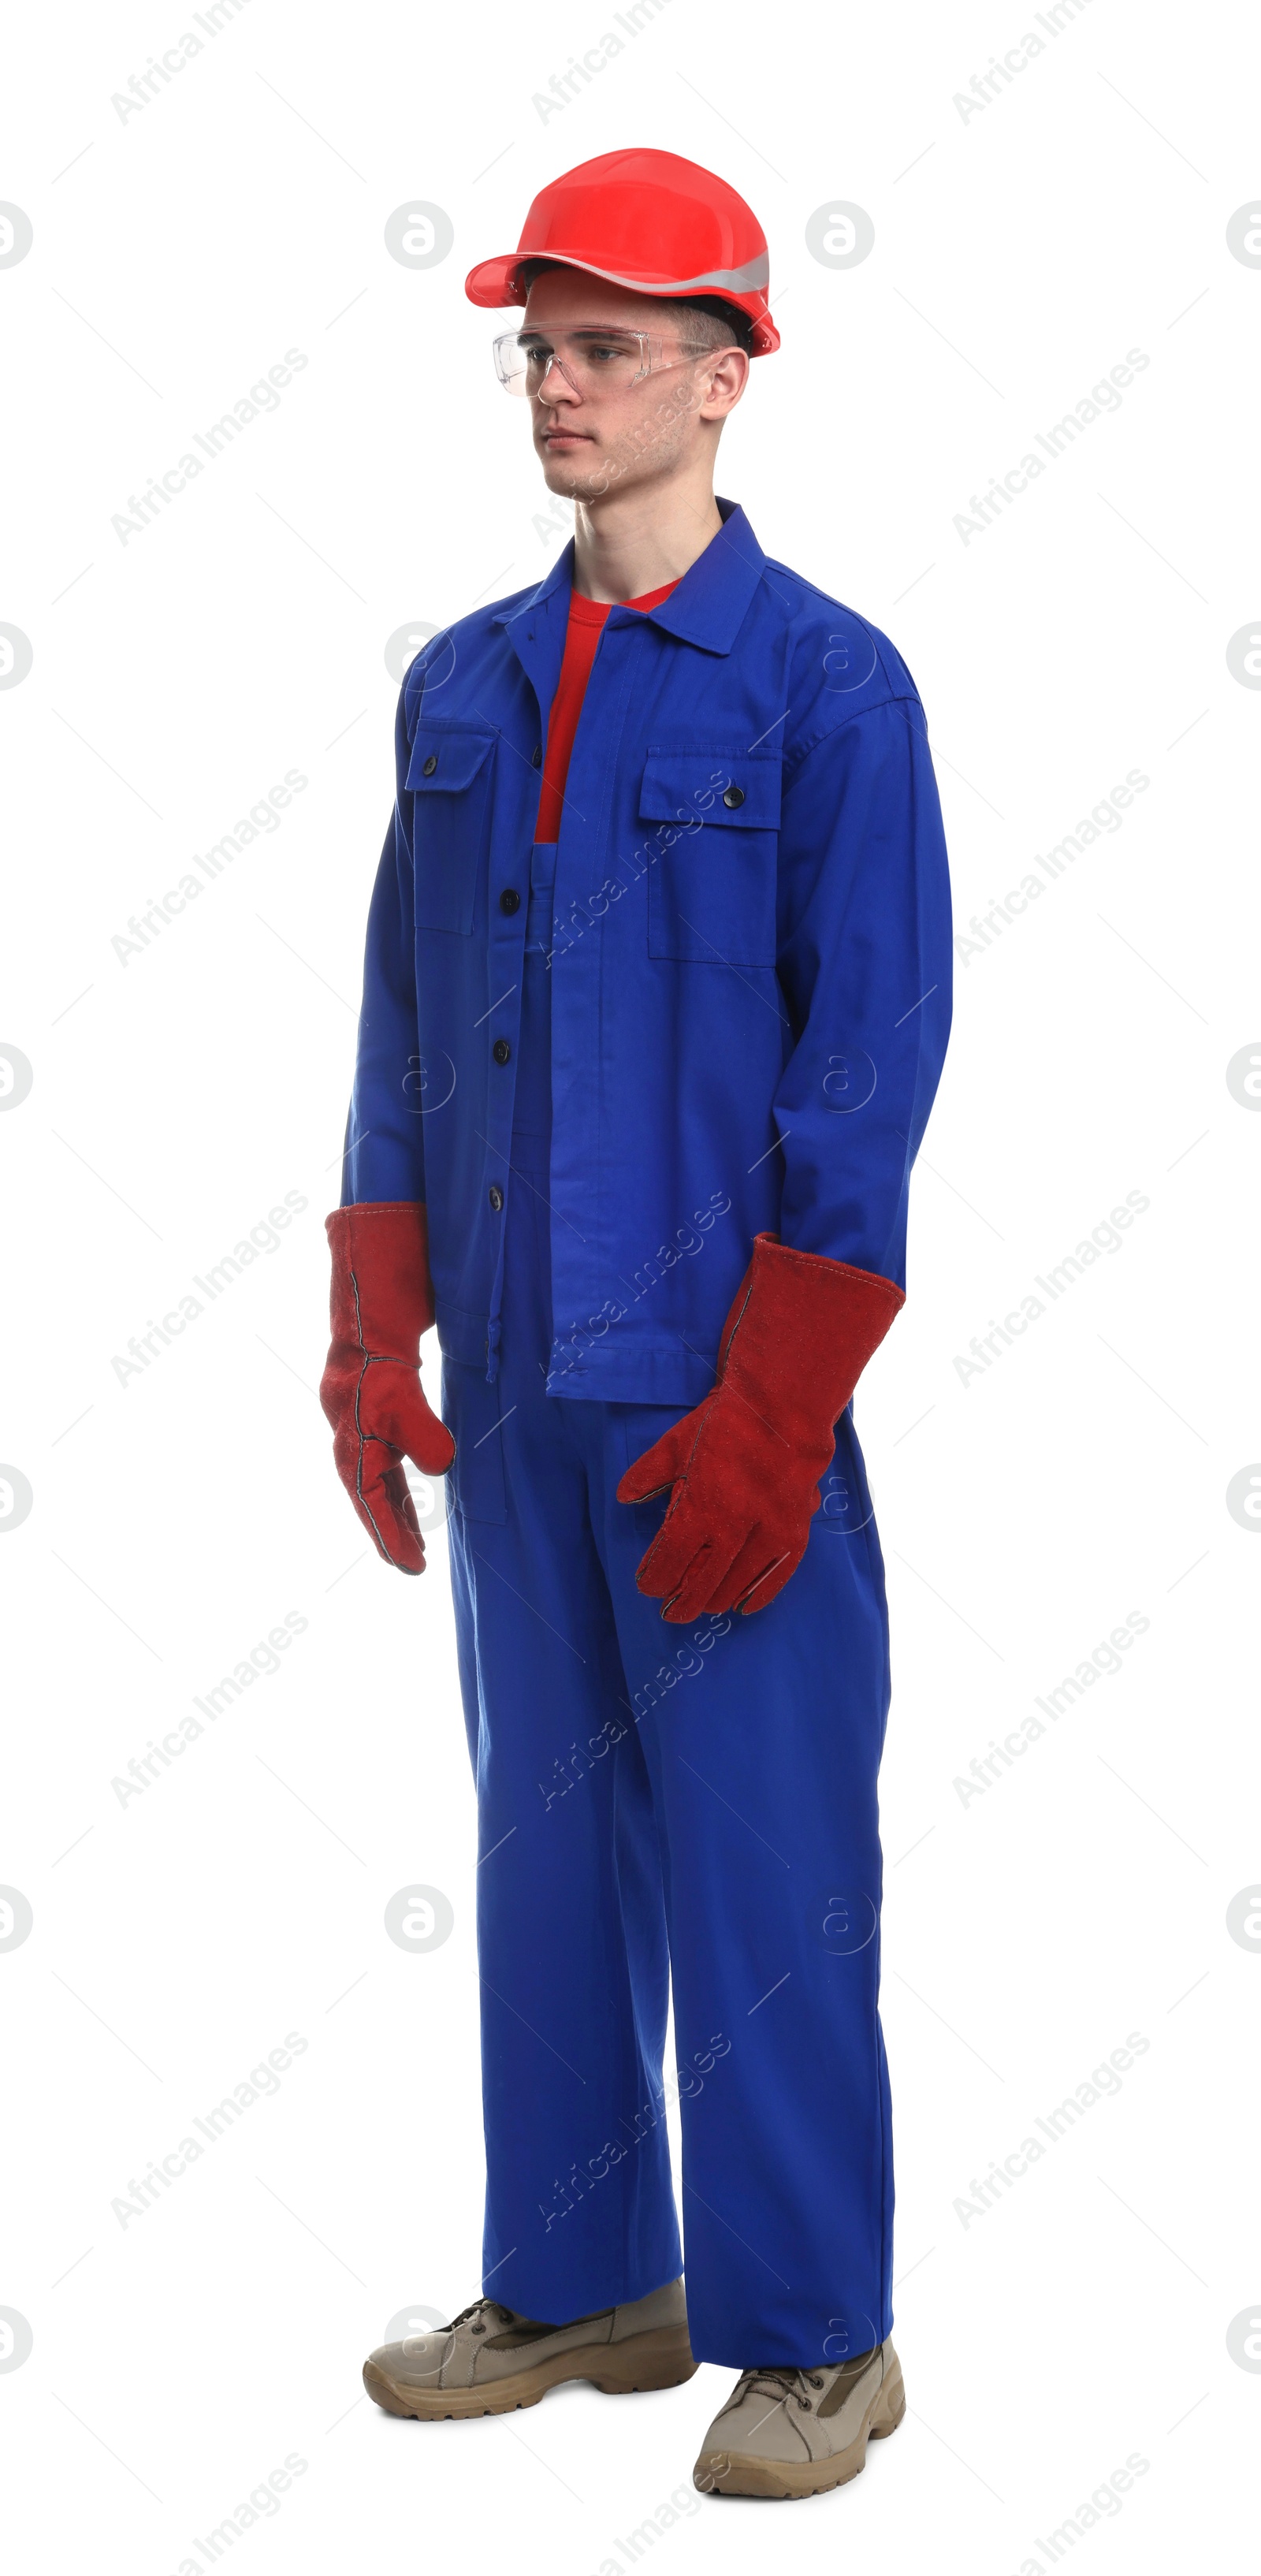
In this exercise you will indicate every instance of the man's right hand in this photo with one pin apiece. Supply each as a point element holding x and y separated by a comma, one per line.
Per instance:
<point>380,1303</point>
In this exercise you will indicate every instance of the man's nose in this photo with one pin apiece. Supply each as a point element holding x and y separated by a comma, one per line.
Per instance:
<point>555,386</point>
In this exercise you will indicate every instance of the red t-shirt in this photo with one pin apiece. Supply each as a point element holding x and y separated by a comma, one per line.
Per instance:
<point>586,621</point>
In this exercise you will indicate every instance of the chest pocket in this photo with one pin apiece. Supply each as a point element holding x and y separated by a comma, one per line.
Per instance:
<point>449,777</point>
<point>711,826</point>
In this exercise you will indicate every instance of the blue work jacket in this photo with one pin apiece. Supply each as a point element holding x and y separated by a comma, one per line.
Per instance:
<point>750,965</point>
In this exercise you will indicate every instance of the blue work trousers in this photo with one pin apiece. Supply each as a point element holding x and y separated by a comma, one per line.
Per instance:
<point>689,1805</point>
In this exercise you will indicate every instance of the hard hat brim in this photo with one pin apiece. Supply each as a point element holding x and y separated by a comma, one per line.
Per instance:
<point>496,282</point>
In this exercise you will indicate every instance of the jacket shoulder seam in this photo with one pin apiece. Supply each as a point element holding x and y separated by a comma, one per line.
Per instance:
<point>880,644</point>
<point>794,760</point>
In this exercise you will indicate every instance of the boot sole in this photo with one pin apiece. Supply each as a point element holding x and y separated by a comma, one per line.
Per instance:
<point>662,2359</point>
<point>744,2473</point>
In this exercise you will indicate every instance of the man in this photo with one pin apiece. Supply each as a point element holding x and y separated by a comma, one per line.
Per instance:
<point>655,1005</point>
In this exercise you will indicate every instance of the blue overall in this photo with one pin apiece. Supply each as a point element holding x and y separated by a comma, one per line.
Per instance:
<point>718,1003</point>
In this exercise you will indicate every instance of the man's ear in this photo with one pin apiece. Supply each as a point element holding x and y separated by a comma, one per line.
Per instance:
<point>723,383</point>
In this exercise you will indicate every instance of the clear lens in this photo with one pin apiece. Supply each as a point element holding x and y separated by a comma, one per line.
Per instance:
<point>586,356</point>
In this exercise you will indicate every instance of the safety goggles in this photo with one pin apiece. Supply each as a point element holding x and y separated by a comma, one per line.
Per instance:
<point>588,355</point>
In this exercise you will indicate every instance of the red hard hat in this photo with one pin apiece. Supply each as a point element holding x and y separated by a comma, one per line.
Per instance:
<point>647,220</point>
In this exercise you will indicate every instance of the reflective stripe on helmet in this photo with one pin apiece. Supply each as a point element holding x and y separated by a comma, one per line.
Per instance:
<point>754,278</point>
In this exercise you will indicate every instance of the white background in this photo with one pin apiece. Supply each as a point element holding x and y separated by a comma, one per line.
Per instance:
<point>1019,254</point>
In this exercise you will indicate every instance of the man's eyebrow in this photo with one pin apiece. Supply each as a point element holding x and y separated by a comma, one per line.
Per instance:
<point>589,330</point>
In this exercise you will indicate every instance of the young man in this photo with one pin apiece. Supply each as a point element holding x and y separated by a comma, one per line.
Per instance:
<point>655,1004</point>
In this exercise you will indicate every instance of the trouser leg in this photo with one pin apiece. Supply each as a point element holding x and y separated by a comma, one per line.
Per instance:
<point>762,1738</point>
<point>571,1934</point>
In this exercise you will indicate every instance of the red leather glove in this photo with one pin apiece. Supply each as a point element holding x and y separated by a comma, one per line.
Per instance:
<point>380,1303</point>
<point>745,1465</point>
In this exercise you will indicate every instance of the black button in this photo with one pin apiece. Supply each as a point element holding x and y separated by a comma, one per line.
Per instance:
<point>427,767</point>
<point>501,1050</point>
<point>733,796</point>
<point>510,900</point>
<point>536,756</point>
<point>496,1197</point>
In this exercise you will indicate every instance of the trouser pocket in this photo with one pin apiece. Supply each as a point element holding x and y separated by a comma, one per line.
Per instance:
<point>472,1412</point>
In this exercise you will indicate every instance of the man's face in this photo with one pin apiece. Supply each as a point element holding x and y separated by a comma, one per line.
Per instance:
<point>601,436</point>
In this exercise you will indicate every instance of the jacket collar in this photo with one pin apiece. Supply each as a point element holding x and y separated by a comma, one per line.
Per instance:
<point>709,606</point>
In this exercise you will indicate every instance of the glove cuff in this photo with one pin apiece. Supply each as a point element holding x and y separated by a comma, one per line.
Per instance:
<point>381,1294</point>
<point>804,1326</point>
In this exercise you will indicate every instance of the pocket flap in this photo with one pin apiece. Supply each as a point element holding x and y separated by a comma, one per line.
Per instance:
<point>739,788</point>
<point>443,760</point>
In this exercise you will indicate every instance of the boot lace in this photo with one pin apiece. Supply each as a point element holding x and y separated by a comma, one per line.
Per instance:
<point>484,2313</point>
<point>780,2383</point>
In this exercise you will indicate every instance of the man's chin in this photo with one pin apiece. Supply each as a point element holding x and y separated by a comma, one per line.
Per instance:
<point>571,471</point>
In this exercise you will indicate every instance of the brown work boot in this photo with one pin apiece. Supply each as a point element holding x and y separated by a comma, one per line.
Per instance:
<point>797,2432</point>
<point>489,2360</point>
